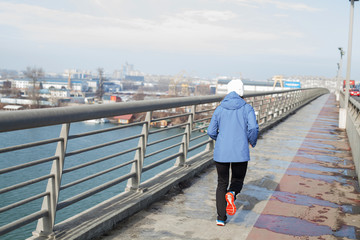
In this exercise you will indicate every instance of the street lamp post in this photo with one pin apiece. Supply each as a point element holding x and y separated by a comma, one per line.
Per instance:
<point>343,111</point>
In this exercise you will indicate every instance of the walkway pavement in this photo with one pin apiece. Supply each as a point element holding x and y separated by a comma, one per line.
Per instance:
<point>300,184</point>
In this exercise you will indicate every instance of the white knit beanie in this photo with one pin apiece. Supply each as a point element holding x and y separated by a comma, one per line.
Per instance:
<point>237,86</point>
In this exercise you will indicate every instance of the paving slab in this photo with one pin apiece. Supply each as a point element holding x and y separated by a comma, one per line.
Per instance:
<point>300,184</point>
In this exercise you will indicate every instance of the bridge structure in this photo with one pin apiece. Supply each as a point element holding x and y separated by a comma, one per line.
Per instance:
<point>301,184</point>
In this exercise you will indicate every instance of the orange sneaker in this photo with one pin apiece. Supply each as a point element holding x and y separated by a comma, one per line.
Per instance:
<point>230,208</point>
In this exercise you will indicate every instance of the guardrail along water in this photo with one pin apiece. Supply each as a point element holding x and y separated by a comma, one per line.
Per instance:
<point>53,166</point>
<point>353,128</point>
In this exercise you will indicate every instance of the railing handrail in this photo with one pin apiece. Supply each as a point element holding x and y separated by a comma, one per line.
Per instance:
<point>17,120</point>
<point>53,116</point>
<point>355,103</point>
<point>352,127</point>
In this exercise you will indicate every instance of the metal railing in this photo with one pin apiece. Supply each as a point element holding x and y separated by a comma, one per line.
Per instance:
<point>66,169</point>
<point>353,128</point>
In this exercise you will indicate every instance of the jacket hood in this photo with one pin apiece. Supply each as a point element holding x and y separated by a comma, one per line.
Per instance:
<point>232,101</point>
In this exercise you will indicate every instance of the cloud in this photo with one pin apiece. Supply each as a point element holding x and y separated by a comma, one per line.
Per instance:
<point>279,4</point>
<point>191,30</point>
<point>208,15</point>
<point>292,6</point>
<point>281,15</point>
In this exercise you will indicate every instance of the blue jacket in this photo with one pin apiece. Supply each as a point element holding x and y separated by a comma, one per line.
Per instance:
<point>233,126</point>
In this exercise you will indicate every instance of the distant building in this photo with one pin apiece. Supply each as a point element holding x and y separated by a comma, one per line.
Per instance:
<point>159,124</point>
<point>23,101</point>
<point>59,93</point>
<point>5,84</point>
<point>249,86</point>
<point>315,81</point>
<point>221,86</point>
<point>117,83</point>
<point>134,78</point>
<point>89,100</point>
<point>76,85</point>
<point>112,87</point>
<point>124,119</point>
<point>56,83</point>
<point>212,89</point>
<point>115,99</point>
<point>21,83</point>
<point>111,99</point>
<point>92,85</point>
<point>77,74</point>
<point>13,107</point>
<point>117,74</point>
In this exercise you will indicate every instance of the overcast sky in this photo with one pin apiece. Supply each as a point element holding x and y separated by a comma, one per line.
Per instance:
<point>206,38</point>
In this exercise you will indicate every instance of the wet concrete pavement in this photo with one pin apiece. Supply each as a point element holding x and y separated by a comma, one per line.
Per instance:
<point>300,184</point>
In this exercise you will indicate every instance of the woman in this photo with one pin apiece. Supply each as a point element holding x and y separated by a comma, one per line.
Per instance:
<point>234,127</point>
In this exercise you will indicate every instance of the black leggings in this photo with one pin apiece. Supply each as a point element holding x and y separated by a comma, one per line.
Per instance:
<point>238,172</point>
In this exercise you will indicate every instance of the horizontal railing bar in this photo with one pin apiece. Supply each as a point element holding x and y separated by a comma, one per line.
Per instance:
<point>104,130</point>
<point>206,110</point>
<point>170,117</point>
<point>23,184</point>
<point>23,221</point>
<point>29,145</point>
<point>99,160</point>
<point>29,164</point>
<point>199,128</point>
<point>22,202</point>
<point>93,191</point>
<point>201,135</point>
<point>101,145</point>
<point>355,103</point>
<point>202,119</point>
<point>168,128</point>
<point>96,175</point>
<point>165,139</point>
<point>15,120</point>
<point>162,150</point>
<point>164,160</point>
<point>200,144</point>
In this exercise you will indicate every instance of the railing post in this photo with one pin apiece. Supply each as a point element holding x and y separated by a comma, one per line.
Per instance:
<point>134,183</point>
<point>292,100</point>
<point>299,98</point>
<point>45,225</point>
<point>211,145</point>
<point>180,161</point>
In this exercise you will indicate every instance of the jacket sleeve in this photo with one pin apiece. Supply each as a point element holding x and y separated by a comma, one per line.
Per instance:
<point>253,128</point>
<point>213,127</point>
